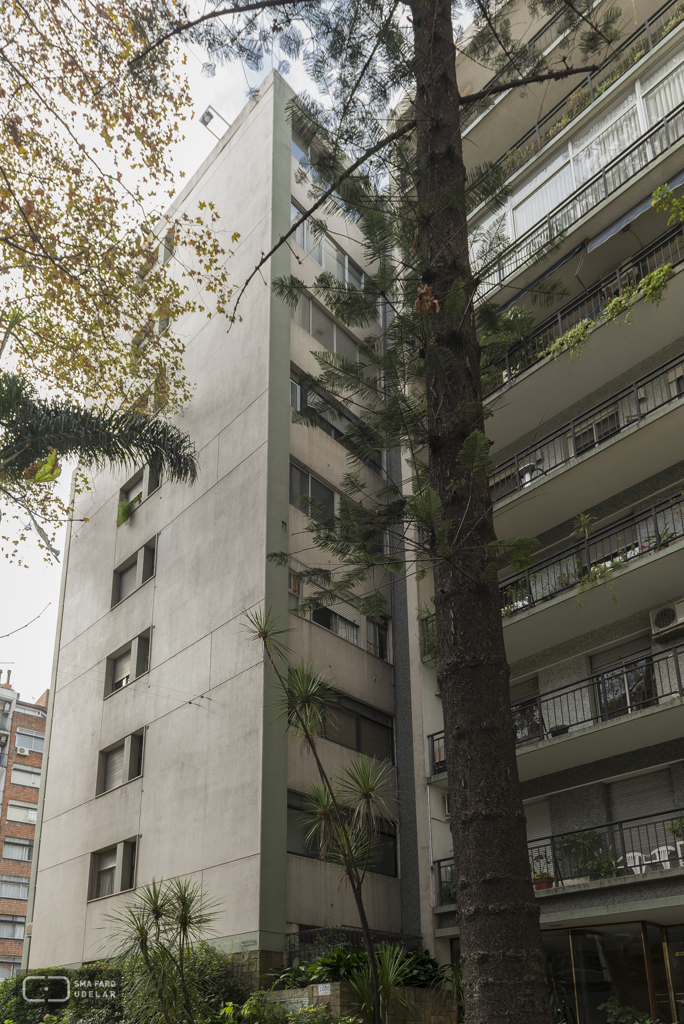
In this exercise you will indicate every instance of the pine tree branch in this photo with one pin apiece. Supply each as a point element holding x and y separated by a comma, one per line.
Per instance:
<point>543,76</point>
<point>187,25</point>
<point>407,127</point>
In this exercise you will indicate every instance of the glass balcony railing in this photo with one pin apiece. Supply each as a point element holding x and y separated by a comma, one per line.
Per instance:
<point>588,561</point>
<point>667,248</point>
<point>649,681</point>
<point>631,405</point>
<point>629,52</point>
<point>648,148</point>
<point>633,846</point>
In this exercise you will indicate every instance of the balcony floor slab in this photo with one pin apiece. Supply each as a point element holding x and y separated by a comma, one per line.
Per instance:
<point>642,584</point>
<point>552,385</point>
<point>586,743</point>
<point>637,452</point>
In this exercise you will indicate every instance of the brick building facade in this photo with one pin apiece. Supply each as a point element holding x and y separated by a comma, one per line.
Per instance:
<point>22,727</point>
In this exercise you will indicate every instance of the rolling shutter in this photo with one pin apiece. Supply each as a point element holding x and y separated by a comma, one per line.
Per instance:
<point>620,655</point>
<point>644,794</point>
<point>522,691</point>
<point>538,816</point>
<point>114,768</point>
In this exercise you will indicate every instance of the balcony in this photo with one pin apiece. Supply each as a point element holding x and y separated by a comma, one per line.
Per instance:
<point>589,305</point>
<point>587,562</point>
<point>654,681</point>
<point>617,849</point>
<point>630,51</point>
<point>625,408</point>
<point>547,35</point>
<point>644,152</point>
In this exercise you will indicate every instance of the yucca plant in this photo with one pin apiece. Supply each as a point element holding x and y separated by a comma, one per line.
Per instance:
<point>347,809</point>
<point>150,939</point>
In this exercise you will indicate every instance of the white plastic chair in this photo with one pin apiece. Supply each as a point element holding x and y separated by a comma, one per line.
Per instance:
<point>662,856</point>
<point>637,862</point>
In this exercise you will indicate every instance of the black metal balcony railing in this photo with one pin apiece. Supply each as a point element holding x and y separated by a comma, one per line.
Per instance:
<point>587,561</point>
<point>647,149</point>
<point>631,50</point>
<point>643,683</point>
<point>632,846</point>
<point>667,248</point>
<point>625,408</point>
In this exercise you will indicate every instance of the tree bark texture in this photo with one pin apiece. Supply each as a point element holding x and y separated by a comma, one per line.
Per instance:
<point>502,957</point>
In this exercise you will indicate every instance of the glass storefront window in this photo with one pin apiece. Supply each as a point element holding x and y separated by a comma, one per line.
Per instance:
<point>610,968</point>
<point>559,976</point>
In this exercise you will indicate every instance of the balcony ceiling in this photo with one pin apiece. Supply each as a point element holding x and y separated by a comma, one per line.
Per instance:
<point>642,585</point>
<point>553,385</point>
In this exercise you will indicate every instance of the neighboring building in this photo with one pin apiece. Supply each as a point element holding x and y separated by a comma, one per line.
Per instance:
<point>596,690</point>
<point>164,759</point>
<point>22,729</point>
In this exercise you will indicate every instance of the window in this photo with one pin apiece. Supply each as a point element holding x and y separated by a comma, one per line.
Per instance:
<point>303,485</point>
<point>14,887</point>
<point>26,776</point>
<point>326,252</point>
<point>9,967</point>
<point>17,849</point>
<point>298,399</point>
<point>337,624</point>
<point>120,763</point>
<point>12,927</point>
<point>323,328</point>
<point>293,591</point>
<point>113,870</point>
<point>360,727</point>
<point>300,150</point>
<point>140,485</point>
<point>135,571</point>
<point>121,671</point>
<point>127,664</point>
<point>376,638</point>
<point>300,819</point>
<point>106,867</point>
<point>30,740</point>
<point>22,812</point>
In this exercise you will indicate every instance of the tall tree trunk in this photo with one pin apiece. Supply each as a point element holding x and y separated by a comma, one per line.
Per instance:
<point>502,957</point>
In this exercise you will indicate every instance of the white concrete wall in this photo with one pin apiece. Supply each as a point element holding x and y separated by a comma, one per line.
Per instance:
<point>212,760</point>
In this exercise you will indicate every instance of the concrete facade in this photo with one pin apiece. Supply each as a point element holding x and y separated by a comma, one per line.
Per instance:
<point>210,800</point>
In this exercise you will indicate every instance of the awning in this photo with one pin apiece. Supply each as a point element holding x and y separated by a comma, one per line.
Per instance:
<point>630,216</point>
<point>549,270</point>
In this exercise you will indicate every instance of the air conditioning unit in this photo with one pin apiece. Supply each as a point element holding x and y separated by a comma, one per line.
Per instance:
<point>668,621</point>
<point>4,736</point>
<point>24,751</point>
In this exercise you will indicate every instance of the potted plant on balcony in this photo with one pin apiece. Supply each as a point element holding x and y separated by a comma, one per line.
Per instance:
<point>586,854</point>
<point>542,880</point>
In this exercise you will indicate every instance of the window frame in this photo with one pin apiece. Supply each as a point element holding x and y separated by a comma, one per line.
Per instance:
<point>358,709</point>
<point>26,770</point>
<point>296,802</point>
<point>145,562</point>
<point>24,844</point>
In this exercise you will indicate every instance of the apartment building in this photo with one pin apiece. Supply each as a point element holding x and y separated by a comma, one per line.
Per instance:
<point>179,768</point>
<point>589,460</point>
<point>22,729</point>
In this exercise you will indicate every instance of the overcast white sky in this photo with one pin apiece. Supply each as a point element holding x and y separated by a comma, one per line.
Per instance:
<point>25,592</point>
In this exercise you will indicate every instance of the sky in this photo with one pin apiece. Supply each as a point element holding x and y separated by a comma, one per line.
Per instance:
<point>32,593</point>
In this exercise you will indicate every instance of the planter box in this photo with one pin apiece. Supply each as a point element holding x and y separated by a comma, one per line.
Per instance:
<point>425,1005</point>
